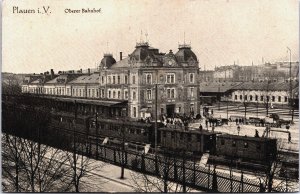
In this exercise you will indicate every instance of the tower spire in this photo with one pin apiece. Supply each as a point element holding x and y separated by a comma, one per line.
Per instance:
<point>146,34</point>
<point>141,37</point>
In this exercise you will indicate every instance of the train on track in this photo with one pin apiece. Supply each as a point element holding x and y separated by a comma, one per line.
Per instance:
<point>219,146</point>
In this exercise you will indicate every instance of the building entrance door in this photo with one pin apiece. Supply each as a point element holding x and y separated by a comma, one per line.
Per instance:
<point>170,110</point>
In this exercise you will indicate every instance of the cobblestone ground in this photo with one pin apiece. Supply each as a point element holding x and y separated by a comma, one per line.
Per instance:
<point>249,130</point>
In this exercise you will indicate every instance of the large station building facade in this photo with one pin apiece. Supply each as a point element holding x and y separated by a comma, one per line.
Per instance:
<point>137,79</point>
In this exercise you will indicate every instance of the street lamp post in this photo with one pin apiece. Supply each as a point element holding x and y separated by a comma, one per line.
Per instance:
<point>219,96</point>
<point>227,108</point>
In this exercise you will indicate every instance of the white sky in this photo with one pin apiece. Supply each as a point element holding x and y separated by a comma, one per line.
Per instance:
<point>220,31</point>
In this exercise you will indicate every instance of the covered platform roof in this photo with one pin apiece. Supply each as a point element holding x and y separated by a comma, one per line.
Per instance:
<point>107,103</point>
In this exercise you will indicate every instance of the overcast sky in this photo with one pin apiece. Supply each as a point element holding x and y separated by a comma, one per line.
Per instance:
<point>220,31</point>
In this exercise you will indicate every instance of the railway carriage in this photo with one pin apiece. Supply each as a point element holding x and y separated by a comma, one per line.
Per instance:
<point>190,141</point>
<point>259,150</point>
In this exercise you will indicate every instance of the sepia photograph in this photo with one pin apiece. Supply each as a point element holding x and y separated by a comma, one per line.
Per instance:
<point>111,96</point>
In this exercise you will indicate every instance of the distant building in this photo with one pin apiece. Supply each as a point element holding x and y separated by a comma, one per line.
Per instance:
<point>278,71</point>
<point>206,76</point>
<point>225,73</point>
<point>265,92</point>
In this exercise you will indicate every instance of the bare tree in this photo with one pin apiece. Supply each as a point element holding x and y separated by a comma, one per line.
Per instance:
<point>145,183</point>
<point>11,84</point>
<point>37,167</point>
<point>81,166</point>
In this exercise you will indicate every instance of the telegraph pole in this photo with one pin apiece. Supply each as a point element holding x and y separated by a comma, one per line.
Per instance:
<point>155,145</point>
<point>291,93</point>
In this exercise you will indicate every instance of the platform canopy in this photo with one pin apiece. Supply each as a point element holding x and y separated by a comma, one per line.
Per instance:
<point>107,103</point>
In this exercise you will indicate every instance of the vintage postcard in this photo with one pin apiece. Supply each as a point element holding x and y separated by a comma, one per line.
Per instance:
<point>150,96</point>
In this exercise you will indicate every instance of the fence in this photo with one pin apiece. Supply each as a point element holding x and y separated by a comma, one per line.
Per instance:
<point>171,168</point>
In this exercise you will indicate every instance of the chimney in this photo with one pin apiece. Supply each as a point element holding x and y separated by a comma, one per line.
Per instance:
<point>120,56</point>
<point>52,73</point>
<point>89,71</point>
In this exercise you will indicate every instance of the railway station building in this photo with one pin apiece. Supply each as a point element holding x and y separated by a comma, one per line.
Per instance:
<point>135,79</point>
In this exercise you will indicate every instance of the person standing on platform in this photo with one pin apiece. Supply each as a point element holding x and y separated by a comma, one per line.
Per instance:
<point>200,127</point>
<point>289,138</point>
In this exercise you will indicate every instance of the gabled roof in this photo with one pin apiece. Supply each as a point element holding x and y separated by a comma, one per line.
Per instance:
<point>273,86</point>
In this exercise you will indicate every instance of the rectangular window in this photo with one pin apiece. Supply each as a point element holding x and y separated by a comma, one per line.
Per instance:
<point>261,98</point>
<point>222,141</point>
<point>109,80</point>
<point>285,99</point>
<point>279,98</point>
<point>102,79</point>
<point>133,95</point>
<point>170,78</point>
<point>149,94</point>
<point>133,79</point>
<point>191,78</point>
<point>250,97</point>
<point>126,94</point>
<point>134,111</point>
<point>119,94</point>
<point>126,79</point>
<point>89,93</point>
<point>169,93</point>
<point>241,97</point>
<point>173,93</point>
<point>233,144</point>
<point>235,97</point>
<point>109,94</point>
<point>256,98</point>
<point>114,94</point>
<point>245,97</point>
<point>148,78</point>
<point>192,92</point>
<point>114,80</point>
<point>119,79</point>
